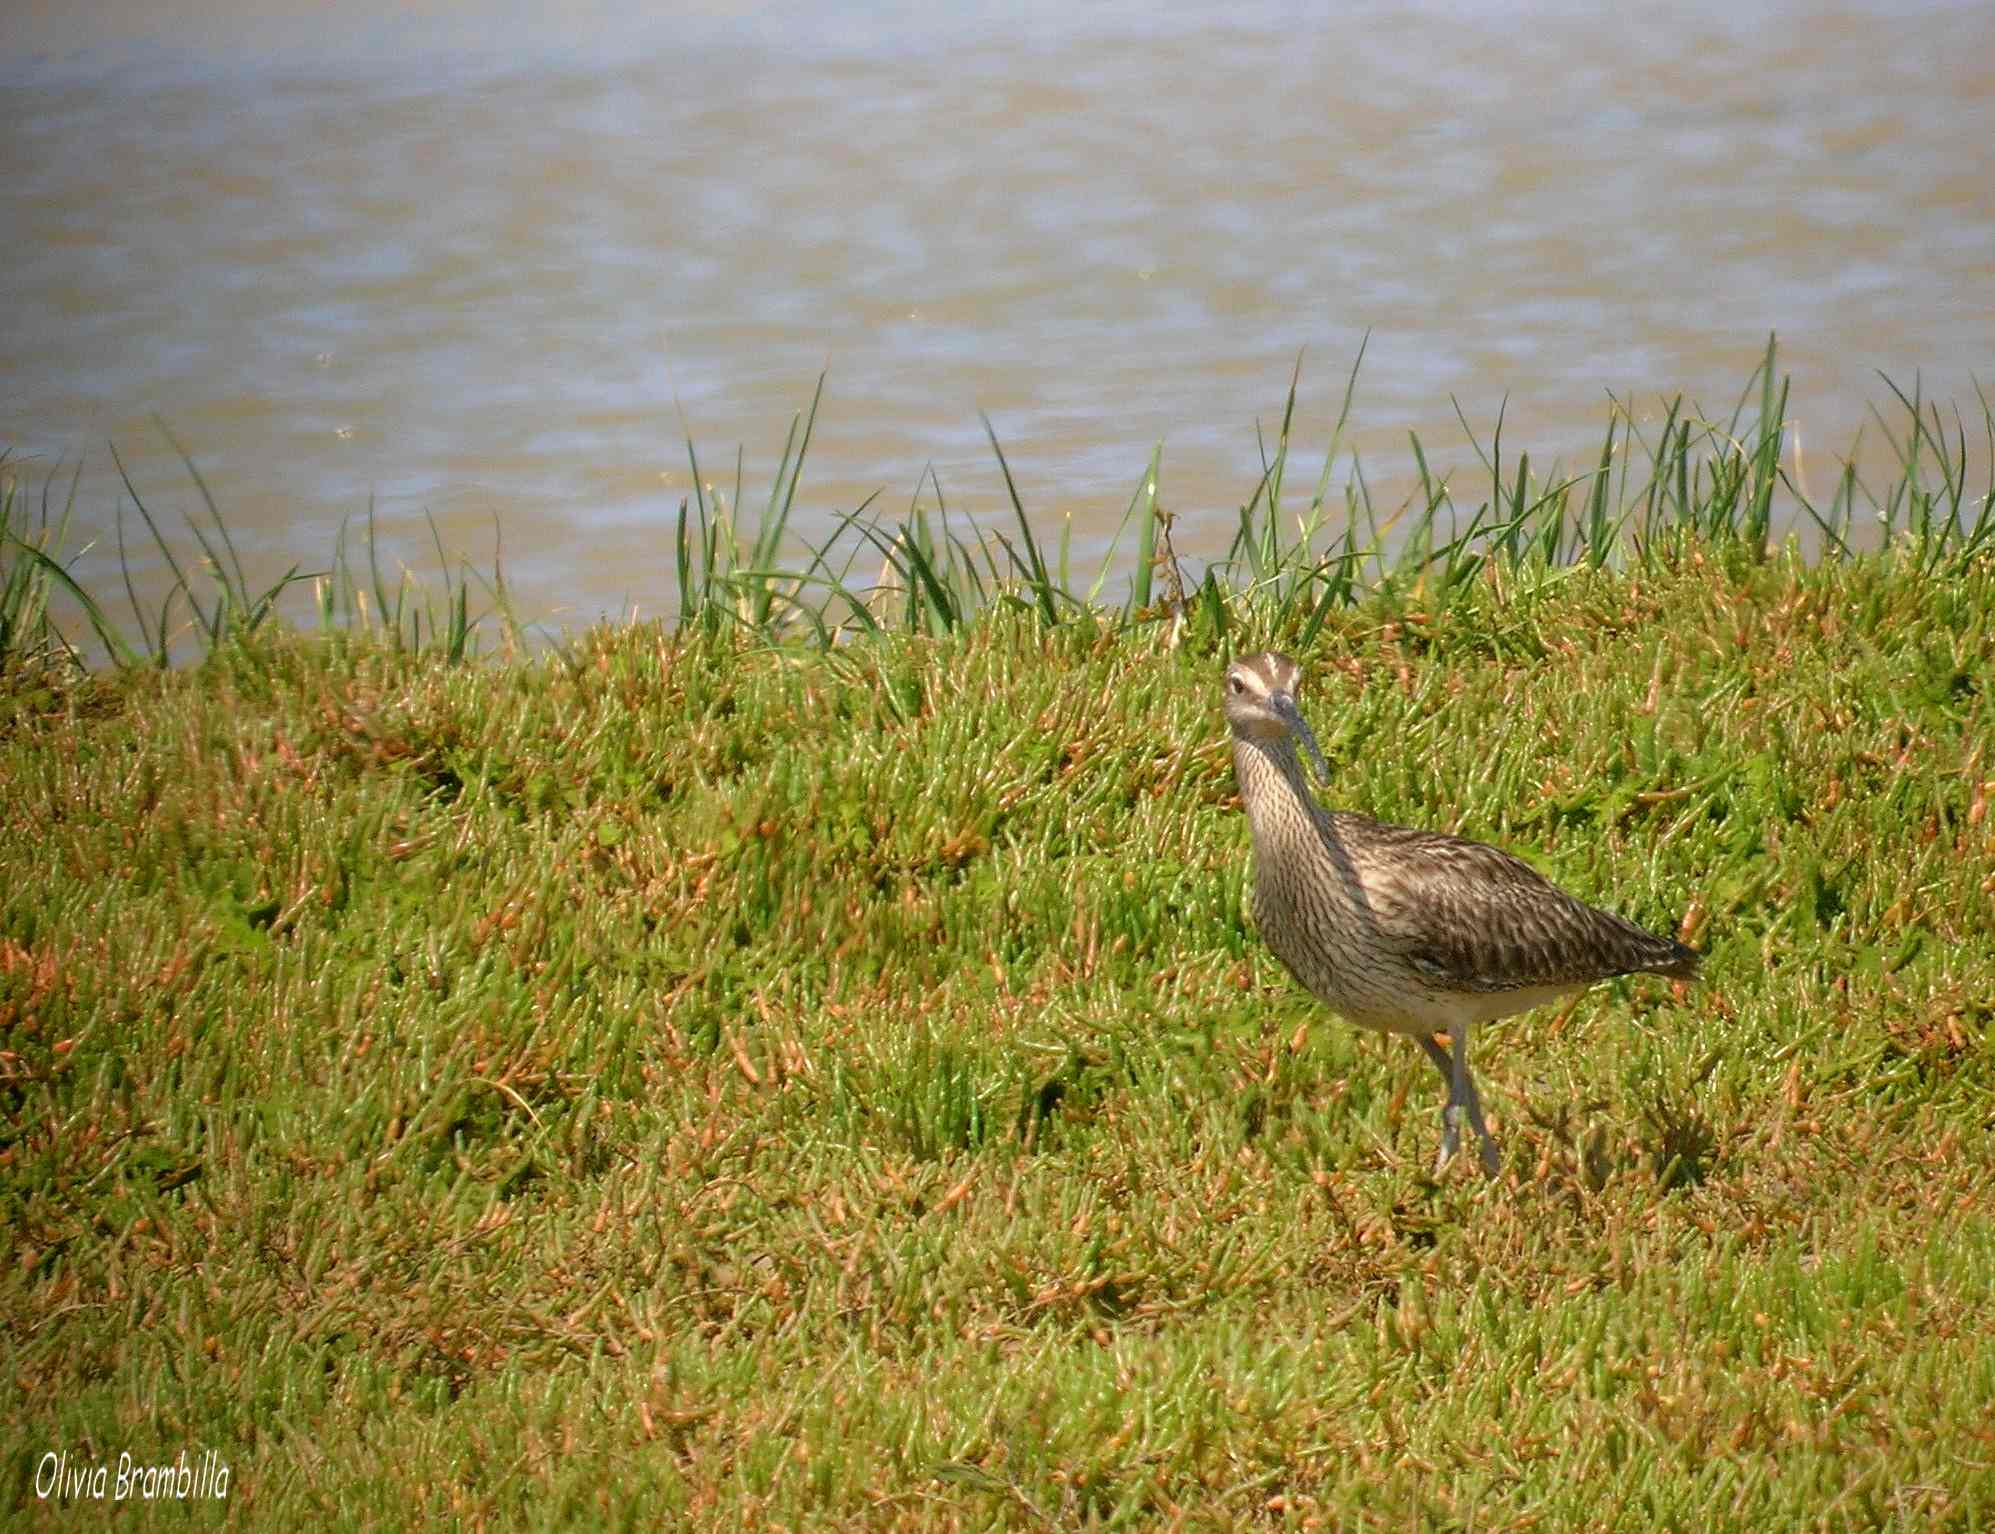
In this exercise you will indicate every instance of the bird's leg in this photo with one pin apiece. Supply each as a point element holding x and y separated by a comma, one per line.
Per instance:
<point>1451,1129</point>
<point>1491,1162</point>
<point>1463,1099</point>
<point>1461,1092</point>
<point>1467,1098</point>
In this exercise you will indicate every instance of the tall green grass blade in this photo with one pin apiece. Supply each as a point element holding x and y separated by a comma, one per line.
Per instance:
<point>180,584</point>
<point>1279,470</point>
<point>114,643</point>
<point>683,561</point>
<point>1142,510</point>
<point>1033,567</point>
<point>388,614</point>
<point>241,582</point>
<point>1601,529</point>
<point>1146,530</point>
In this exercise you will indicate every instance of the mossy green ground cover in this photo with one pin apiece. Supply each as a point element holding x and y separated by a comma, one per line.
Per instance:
<point>702,1082</point>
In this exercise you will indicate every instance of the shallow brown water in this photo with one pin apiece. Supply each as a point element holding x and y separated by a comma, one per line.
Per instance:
<point>479,263</point>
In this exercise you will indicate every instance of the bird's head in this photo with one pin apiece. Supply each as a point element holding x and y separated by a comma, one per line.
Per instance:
<point>1261,706</point>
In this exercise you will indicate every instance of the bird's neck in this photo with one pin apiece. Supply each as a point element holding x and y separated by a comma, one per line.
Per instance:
<point>1272,785</point>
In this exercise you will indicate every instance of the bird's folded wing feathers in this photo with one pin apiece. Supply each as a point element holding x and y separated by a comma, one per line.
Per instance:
<point>1475,919</point>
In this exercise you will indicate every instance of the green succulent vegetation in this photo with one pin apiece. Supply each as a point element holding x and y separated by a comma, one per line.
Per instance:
<point>807,1064</point>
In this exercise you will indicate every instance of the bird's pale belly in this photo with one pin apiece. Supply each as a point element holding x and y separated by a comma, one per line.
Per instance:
<point>1358,981</point>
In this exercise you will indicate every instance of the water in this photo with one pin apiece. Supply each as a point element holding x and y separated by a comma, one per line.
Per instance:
<point>467,260</point>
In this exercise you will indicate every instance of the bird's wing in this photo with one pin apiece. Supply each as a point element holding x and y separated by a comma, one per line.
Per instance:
<point>1473,918</point>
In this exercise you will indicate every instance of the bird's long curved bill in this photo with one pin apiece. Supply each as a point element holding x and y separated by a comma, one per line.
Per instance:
<point>1284,705</point>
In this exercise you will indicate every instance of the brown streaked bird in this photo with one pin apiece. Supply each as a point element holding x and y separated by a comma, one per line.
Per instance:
<point>1404,931</point>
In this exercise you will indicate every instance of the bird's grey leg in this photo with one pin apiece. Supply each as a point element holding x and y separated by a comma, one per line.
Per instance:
<point>1470,1100</point>
<point>1460,1093</point>
<point>1491,1162</point>
<point>1463,1099</point>
<point>1451,1130</point>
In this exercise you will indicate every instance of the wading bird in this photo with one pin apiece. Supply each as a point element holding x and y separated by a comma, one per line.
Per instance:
<point>1405,931</point>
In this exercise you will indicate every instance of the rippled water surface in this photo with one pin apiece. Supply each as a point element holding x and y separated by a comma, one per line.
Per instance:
<point>468,260</point>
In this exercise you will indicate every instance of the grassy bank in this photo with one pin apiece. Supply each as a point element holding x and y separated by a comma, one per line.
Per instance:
<point>704,1076</point>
